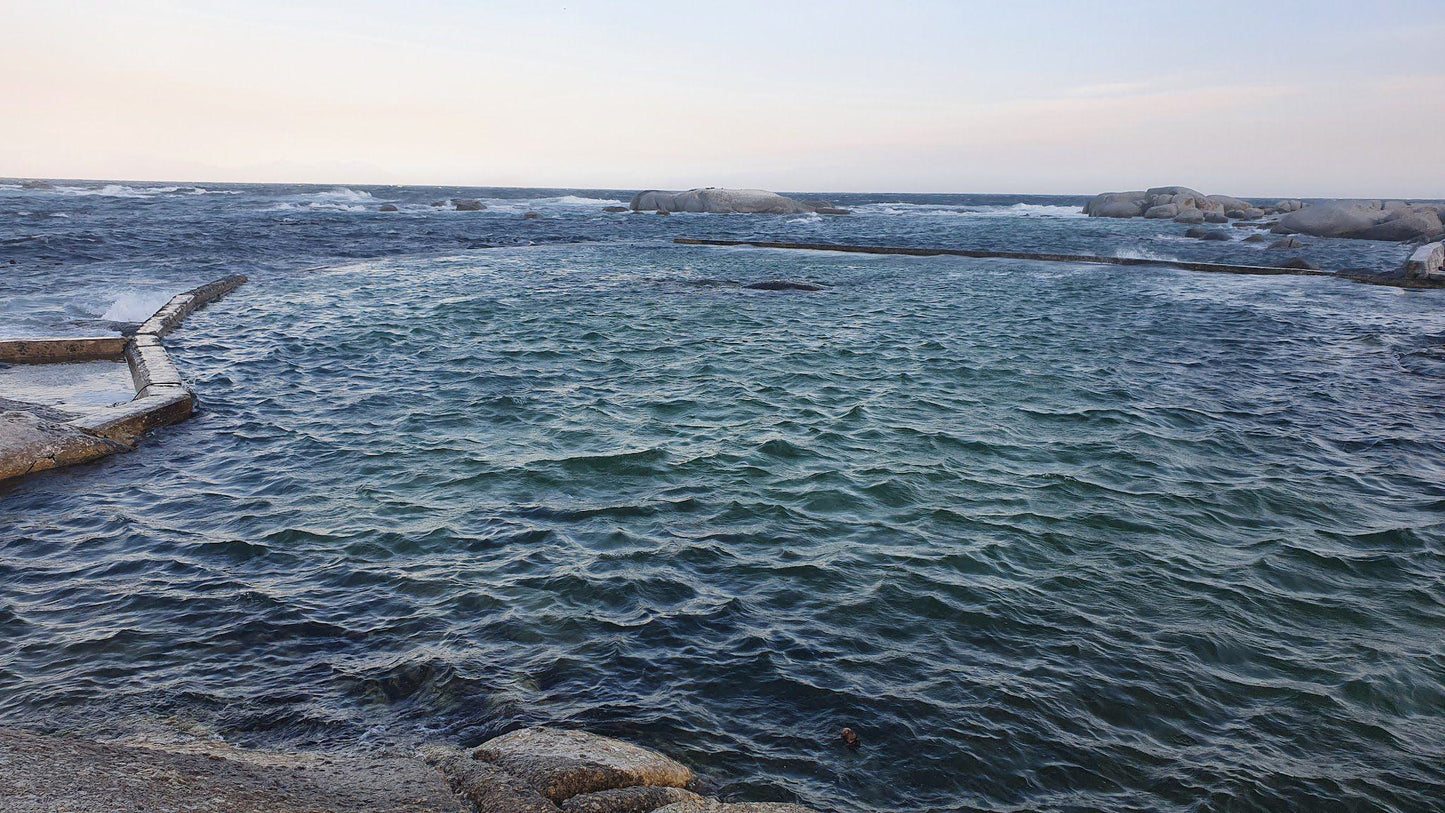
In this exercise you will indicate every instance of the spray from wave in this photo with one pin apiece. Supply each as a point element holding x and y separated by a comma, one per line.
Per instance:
<point>135,306</point>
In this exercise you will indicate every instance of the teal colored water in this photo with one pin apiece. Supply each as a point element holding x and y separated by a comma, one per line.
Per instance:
<point>1050,537</point>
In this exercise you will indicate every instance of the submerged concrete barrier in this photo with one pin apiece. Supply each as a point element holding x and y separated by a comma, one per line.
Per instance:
<point>1398,280</point>
<point>34,438</point>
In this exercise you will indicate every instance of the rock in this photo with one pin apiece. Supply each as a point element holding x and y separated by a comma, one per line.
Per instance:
<point>486,786</point>
<point>627,800</point>
<point>1287,244</point>
<point>1288,206</point>
<point>710,805</point>
<point>663,212</point>
<point>1196,232</point>
<point>1409,223</point>
<point>1337,218</point>
<point>1215,217</point>
<point>829,210</point>
<point>1217,234</point>
<point>532,216</point>
<point>783,285</point>
<point>468,205</point>
<point>1254,238</point>
<point>1428,262</point>
<point>1252,214</point>
<point>1189,216</point>
<point>439,203</point>
<point>614,209</point>
<point>1164,211</point>
<point>1183,197</point>
<point>560,764</point>
<point>387,207</point>
<point>1297,263</point>
<point>33,438</point>
<point>1229,204</point>
<point>1117,204</point>
<point>719,201</point>
<point>815,205</point>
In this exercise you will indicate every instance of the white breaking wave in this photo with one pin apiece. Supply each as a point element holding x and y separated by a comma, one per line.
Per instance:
<point>1142,254</point>
<point>114,190</point>
<point>341,195</point>
<point>135,306</point>
<point>316,206</point>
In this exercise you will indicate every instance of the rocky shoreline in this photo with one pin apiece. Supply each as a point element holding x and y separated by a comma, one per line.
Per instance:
<point>531,770</point>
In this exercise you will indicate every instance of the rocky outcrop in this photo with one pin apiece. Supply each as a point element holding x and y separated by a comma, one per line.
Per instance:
<point>628,800</point>
<point>387,207</point>
<point>715,200</point>
<point>468,205</point>
<point>1396,221</point>
<point>715,806</point>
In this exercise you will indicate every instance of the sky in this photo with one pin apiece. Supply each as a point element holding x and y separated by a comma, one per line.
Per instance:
<point>1317,98</point>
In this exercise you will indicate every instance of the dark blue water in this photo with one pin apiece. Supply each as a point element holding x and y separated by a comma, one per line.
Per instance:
<point>1050,537</point>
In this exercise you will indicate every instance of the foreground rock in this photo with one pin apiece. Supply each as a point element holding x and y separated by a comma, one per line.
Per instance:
<point>561,764</point>
<point>715,200</point>
<point>35,438</point>
<point>40,774</point>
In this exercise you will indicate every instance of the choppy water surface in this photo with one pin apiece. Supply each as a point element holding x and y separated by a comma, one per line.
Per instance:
<point>1050,537</point>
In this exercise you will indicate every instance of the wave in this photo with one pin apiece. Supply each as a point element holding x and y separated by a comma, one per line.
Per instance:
<point>315,206</point>
<point>1143,254</point>
<point>114,190</point>
<point>341,194</point>
<point>135,306</point>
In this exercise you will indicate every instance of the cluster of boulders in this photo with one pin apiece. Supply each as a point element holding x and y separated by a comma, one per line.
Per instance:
<point>1183,205</point>
<point>550,770</point>
<point>1397,221</point>
<point>715,200</point>
<point>461,204</point>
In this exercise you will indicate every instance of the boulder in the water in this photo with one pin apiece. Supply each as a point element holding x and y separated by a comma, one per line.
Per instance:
<point>561,764</point>
<point>532,216</point>
<point>1117,204</point>
<point>1189,216</point>
<point>468,205</point>
<point>1287,244</point>
<point>715,200</point>
<point>1297,263</point>
<point>614,209</point>
<point>1164,211</point>
<point>387,207</point>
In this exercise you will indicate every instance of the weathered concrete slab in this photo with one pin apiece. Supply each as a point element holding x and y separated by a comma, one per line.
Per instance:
<point>162,406</point>
<point>50,351</point>
<point>1428,262</point>
<point>150,363</point>
<point>40,774</point>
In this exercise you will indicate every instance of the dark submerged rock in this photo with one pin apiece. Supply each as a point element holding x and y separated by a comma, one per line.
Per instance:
<point>387,207</point>
<point>783,285</point>
<point>468,205</point>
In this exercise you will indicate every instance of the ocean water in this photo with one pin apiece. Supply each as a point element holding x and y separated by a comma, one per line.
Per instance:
<point>1048,536</point>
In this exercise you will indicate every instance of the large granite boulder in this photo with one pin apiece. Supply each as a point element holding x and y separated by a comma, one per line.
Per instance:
<point>468,205</point>
<point>1405,224</point>
<point>560,764</point>
<point>1183,197</point>
<point>719,201</point>
<point>1117,204</point>
<point>1336,218</point>
<point>1193,216</point>
<point>1365,220</point>
<point>1164,211</point>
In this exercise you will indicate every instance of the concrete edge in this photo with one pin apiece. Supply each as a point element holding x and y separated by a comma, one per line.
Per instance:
<point>1398,281</point>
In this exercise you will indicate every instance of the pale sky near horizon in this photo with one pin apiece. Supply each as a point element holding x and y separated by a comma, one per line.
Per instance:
<point>1318,98</point>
